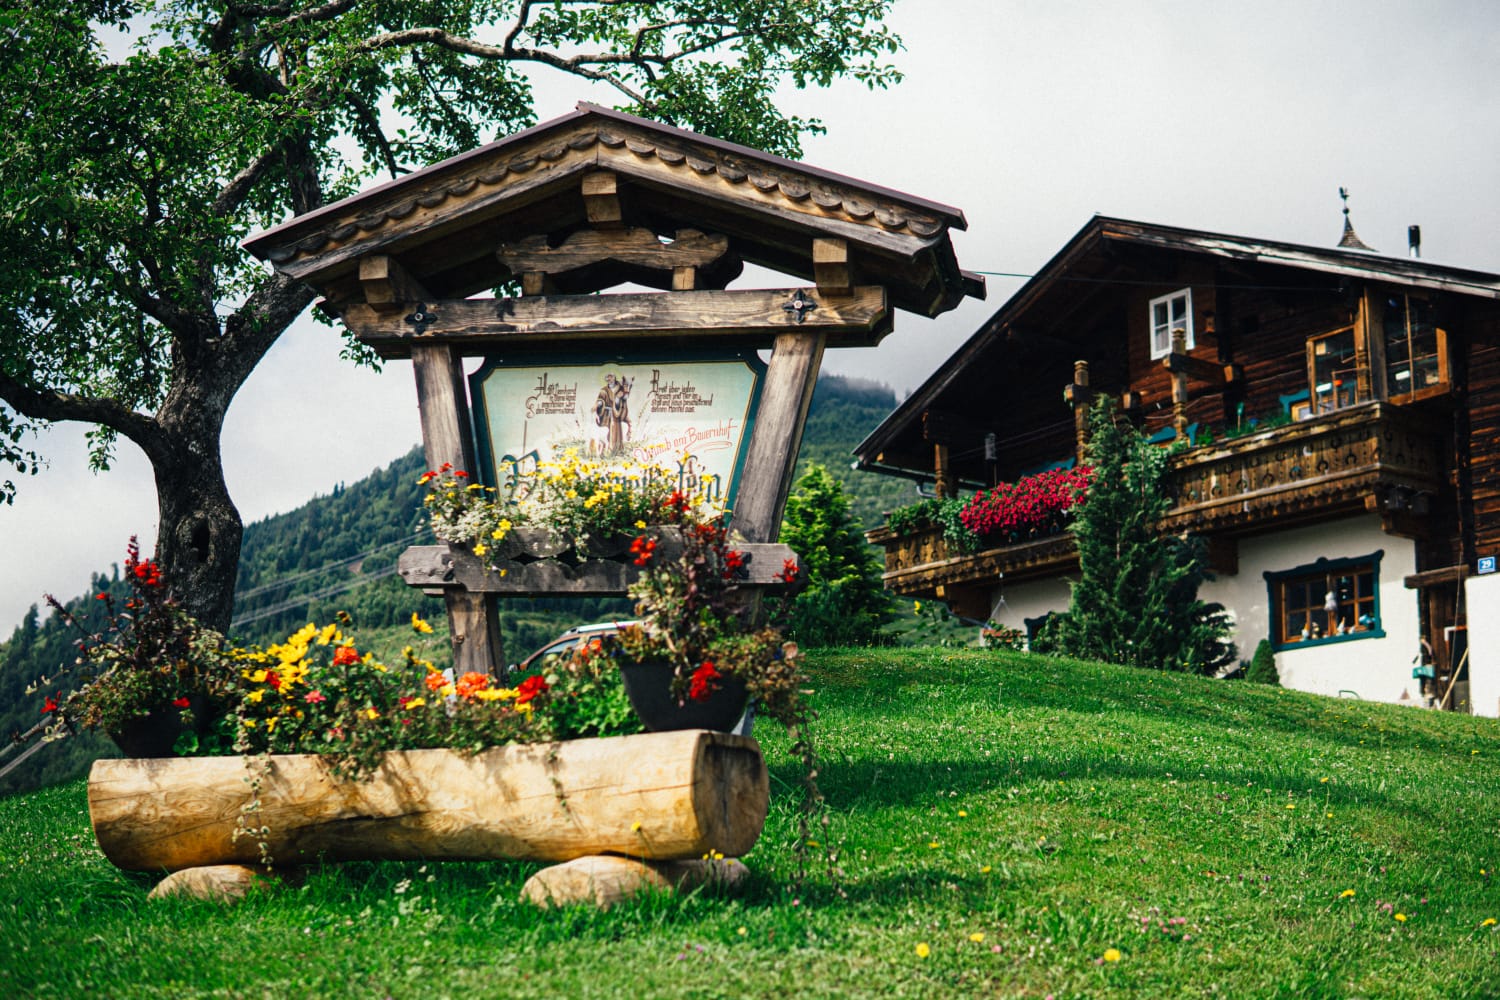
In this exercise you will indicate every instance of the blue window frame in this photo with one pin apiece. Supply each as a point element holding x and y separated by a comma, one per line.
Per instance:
<point>1331,600</point>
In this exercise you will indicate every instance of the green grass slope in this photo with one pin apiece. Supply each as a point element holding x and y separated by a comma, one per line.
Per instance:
<point>1022,818</point>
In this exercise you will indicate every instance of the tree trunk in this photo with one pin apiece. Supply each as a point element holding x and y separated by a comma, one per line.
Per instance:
<point>198,534</point>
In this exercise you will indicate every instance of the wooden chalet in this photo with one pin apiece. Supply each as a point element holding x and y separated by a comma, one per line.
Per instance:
<point>1334,418</point>
<point>498,254</point>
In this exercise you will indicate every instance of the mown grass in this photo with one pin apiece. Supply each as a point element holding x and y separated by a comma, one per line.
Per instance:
<point>1210,832</point>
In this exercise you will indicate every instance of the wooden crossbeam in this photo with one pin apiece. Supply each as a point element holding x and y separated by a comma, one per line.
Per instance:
<point>1201,369</point>
<point>753,316</point>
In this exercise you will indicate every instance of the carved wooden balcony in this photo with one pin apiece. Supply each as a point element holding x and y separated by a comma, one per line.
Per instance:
<point>1368,457</point>
<point>921,562</point>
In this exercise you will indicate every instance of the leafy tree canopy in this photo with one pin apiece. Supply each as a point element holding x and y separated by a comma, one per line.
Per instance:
<point>126,186</point>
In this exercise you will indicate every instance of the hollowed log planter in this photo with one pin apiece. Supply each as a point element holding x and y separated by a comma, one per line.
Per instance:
<point>657,796</point>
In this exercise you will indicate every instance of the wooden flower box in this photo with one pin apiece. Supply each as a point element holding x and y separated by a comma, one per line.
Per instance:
<point>656,796</point>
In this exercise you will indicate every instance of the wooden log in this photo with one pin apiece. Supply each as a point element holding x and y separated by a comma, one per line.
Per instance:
<point>604,880</point>
<point>753,315</point>
<point>226,883</point>
<point>659,796</point>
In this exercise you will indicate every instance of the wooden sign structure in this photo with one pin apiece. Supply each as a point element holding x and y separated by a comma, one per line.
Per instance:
<point>586,202</point>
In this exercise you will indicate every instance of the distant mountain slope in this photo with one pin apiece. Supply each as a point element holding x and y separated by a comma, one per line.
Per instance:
<point>338,552</point>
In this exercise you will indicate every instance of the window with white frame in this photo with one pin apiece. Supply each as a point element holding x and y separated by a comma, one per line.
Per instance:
<point>1168,313</point>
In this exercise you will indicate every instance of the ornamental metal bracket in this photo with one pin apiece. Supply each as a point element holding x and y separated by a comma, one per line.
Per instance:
<point>421,319</point>
<point>800,305</point>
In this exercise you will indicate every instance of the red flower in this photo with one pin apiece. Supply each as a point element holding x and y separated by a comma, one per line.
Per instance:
<point>101,597</point>
<point>733,563</point>
<point>148,574</point>
<point>703,681</point>
<point>461,474</point>
<point>274,680</point>
<point>643,548</point>
<point>530,688</point>
<point>789,571</point>
<point>345,655</point>
<point>49,704</point>
<point>313,697</point>
<point>181,702</point>
<point>445,466</point>
<point>435,680</point>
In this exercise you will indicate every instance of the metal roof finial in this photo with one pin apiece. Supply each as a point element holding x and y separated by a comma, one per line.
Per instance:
<point>1350,240</point>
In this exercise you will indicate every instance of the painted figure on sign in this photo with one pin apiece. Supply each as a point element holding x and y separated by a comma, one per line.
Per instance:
<point>612,415</point>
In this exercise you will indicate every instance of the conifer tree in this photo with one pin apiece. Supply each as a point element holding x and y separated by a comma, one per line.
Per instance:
<point>1262,669</point>
<point>1136,599</point>
<point>845,602</point>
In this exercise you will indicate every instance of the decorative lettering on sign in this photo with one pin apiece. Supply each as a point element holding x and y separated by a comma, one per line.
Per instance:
<point>550,398</point>
<point>670,396</point>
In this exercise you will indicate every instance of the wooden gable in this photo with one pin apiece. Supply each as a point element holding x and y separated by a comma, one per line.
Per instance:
<point>471,223</point>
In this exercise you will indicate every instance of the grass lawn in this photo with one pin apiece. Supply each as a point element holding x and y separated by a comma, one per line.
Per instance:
<point>1009,826</point>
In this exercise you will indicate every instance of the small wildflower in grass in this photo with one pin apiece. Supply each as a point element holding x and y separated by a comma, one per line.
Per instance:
<point>933,844</point>
<point>984,870</point>
<point>1488,922</point>
<point>923,951</point>
<point>1346,894</point>
<point>1111,954</point>
<point>962,814</point>
<point>1322,781</point>
<point>1290,806</point>
<point>418,625</point>
<point>977,937</point>
<point>742,932</point>
<point>1401,918</point>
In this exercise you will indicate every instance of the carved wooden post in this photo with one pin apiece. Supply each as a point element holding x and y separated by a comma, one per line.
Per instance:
<point>1079,396</point>
<point>1179,386</point>
<point>473,619</point>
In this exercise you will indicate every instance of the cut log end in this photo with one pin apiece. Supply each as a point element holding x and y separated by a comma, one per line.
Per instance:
<point>605,880</point>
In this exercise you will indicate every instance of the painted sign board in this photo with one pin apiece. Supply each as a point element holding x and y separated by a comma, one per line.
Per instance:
<point>691,416</point>
<point>1486,565</point>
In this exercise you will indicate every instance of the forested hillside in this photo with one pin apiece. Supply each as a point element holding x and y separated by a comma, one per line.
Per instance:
<point>338,552</point>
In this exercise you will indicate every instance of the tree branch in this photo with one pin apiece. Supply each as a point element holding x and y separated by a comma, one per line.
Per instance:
<point>254,326</point>
<point>48,404</point>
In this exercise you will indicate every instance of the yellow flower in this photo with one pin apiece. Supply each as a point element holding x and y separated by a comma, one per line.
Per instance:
<point>743,931</point>
<point>640,523</point>
<point>480,549</point>
<point>1487,922</point>
<point>635,827</point>
<point>1290,806</point>
<point>1111,954</point>
<point>329,634</point>
<point>923,951</point>
<point>962,813</point>
<point>984,870</point>
<point>933,844</point>
<point>490,694</point>
<point>418,625</point>
<point>249,723</point>
<point>255,696</point>
<point>917,607</point>
<point>270,723</point>
<point>1346,894</point>
<point>976,937</point>
<point>1322,781</point>
<point>1401,918</point>
<point>258,676</point>
<point>447,691</point>
<point>415,703</point>
<point>370,713</point>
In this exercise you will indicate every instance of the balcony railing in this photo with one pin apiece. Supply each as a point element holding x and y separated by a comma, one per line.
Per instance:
<point>1367,457</point>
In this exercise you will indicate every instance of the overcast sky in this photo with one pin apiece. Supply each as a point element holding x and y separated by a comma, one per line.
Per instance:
<point>1242,118</point>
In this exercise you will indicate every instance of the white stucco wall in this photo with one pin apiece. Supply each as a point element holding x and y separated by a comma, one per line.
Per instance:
<point>1482,594</point>
<point>1376,669</point>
